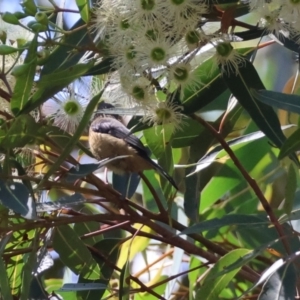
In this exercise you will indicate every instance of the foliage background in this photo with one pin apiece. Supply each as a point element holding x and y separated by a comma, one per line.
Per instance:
<point>231,231</point>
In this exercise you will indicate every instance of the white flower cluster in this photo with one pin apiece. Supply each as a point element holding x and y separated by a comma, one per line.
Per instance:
<point>281,17</point>
<point>150,41</point>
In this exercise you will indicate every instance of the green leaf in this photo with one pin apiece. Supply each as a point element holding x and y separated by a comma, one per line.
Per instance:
<point>227,220</point>
<point>282,285</point>
<point>213,284</point>
<point>27,274</point>
<point>14,196</point>
<point>287,102</point>
<point>257,158</point>
<point>4,282</point>
<point>63,77</point>
<point>87,228</point>
<point>124,289</point>
<point>22,131</point>
<point>109,249</point>
<point>210,157</point>
<point>67,287</point>
<point>80,170</point>
<point>84,8</point>
<point>14,272</point>
<point>24,81</point>
<point>213,86</point>
<point>74,253</point>
<point>290,189</point>
<point>126,184</point>
<point>159,289</point>
<point>291,145</point>
<point>190,131</point>
<point>103,67</point>
<point>158,139</point>
<point>66,55</point>
<point>241,86</point>
<point>288,271</point>
<point>293,215</point>
<point>49,85</point>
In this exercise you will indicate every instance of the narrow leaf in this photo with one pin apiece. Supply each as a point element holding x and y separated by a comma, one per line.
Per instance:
<point>291,145</point>
<point>287,102</point>
<point>24,81</point>
<point>51,84</point>
<point>273,269</point>
<point>84,8</point>
<point>210,157</point>
<point>227,220</point>
<point>281,285</point>
<point>14,196</point>
<point>290,189</point>
<point>242,85</point>
<point>74,253</point>
<point>4,282</point>
<point>214,284</point>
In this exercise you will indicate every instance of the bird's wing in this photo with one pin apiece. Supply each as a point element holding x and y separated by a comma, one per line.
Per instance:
<point>116,129</point>
<point>129,138</point>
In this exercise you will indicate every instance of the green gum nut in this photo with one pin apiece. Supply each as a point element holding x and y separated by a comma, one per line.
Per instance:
<point>42,18</point>
<point>36,26</point>
<point>42,56</point>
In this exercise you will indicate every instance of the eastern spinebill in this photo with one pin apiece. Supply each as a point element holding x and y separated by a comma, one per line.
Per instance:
<point>109,138</point>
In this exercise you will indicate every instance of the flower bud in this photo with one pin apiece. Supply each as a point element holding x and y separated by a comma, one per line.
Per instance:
<point>6,50</point>
<point>29,7</point>
<point>3,36</point>
<point>10,18</point>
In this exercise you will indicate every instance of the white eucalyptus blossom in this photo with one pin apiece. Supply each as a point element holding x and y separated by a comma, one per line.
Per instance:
<point>163,113</point>
<point>66,109</point>
<point>227,58</point>
<point>185,78</point>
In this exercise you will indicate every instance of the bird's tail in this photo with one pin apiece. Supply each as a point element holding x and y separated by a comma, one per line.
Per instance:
<point>162,172</point>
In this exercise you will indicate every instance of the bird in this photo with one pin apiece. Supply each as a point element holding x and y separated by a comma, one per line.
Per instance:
<point>109,138</point>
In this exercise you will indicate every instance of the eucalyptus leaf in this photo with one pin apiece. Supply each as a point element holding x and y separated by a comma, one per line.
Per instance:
<point>269,272</point>
<point>289,102</point>
<point>281,285</point>
<point>21,132</point>
<point>227,220</point>
<point>291,145</point>
<point>74,253</point>
<point>15,196</point>
<point>210,157</point>
<point>66,55</point>
<point>24,81</point>
<point>242,85</point>
<point>213,284</point>
<point>4,282</point>
<point>84,8</point>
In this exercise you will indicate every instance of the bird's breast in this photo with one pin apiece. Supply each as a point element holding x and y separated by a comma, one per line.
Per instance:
<point>106,146</point>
